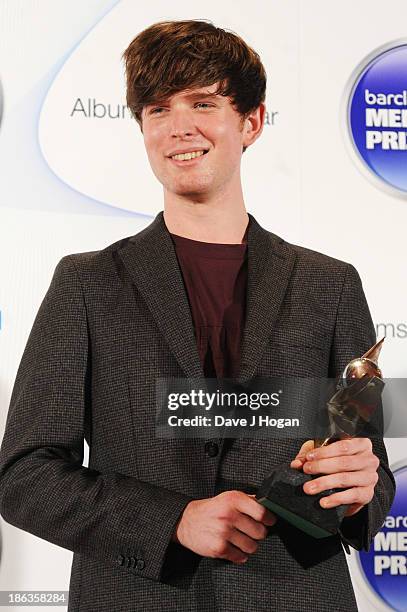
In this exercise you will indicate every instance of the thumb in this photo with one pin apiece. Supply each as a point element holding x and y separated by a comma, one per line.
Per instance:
<point>299,460</point>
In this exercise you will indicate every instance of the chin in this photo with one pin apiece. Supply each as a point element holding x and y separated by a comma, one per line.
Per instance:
<point>190,190</point>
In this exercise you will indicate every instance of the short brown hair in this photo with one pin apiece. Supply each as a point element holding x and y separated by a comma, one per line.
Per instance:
<point>170,56</point>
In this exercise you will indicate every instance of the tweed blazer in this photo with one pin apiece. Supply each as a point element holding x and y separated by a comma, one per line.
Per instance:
<point>111,322</point>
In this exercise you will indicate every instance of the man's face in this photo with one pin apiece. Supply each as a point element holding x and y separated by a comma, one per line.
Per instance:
<point>194,120</point>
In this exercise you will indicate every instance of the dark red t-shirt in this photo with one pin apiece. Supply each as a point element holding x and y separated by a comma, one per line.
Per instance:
<point>215,277</point>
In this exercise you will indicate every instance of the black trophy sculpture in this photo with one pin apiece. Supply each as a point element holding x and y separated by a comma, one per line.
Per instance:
<point>358,393</point>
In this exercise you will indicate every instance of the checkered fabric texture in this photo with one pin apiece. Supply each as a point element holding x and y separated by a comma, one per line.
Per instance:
<point>111,322</point>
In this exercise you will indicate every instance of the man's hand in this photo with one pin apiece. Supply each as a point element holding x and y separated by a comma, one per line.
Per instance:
<point>348,464</point>
<point>227,526</point>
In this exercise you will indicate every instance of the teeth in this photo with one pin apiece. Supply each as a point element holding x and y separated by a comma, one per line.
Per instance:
<point>184,156</point>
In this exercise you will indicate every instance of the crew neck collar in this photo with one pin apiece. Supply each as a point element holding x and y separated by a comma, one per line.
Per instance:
<point>182,240</point>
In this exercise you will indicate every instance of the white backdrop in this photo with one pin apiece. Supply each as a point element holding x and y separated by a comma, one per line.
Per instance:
<point>75,176</point>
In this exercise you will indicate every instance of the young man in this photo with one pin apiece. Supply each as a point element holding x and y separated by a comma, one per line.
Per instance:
<point>203,290</point>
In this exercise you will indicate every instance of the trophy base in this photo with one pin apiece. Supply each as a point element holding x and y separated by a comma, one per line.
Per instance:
<point>282,493</point>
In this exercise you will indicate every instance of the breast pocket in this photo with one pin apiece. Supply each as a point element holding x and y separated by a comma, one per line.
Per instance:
<point>296,352</point>
<point>312,337</point>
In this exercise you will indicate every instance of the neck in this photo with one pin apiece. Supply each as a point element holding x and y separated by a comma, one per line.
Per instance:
<point>214,222</point>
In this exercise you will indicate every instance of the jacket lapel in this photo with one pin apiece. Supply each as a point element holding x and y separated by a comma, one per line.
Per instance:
<point>151,260</point>
<point>270,265</point>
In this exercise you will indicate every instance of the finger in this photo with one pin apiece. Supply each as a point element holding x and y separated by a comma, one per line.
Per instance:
<point>350,446</point>
<point>250,527</point>
<point>243,542</point>
<point>345,463</point>
<point>353,509</point>
<point>340,480</point>
<point>232,553</point>
<point>356,495</point>
<point>250,506</point>
<point>269,519</point>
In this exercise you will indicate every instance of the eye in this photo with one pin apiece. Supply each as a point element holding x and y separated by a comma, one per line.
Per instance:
<point>154,110</point>
<point>204,103</point>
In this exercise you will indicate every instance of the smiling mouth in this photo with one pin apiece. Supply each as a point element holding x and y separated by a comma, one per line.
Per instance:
<point>184,158</point>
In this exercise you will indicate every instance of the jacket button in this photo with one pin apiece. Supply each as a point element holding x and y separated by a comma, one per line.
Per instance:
<point>211,449</point>
<point>140,564</point>
<point>120,559</point>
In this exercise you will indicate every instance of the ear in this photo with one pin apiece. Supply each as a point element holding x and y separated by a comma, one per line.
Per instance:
<point>253,125</point>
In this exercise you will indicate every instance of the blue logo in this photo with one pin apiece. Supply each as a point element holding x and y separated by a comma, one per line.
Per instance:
<point>377,116</point>
<point>385,565</point>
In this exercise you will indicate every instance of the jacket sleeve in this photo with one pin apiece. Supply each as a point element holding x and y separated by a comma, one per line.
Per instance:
<point>44,488</point>
<point>354,335</point>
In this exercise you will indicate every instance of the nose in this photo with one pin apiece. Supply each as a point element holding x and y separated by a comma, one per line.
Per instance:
<point>182,123</point>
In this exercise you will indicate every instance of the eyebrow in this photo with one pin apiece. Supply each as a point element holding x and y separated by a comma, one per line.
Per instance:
<point>195,95</point>
<point>201,94</point>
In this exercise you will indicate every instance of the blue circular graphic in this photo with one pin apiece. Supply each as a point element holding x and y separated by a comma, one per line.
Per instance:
<point>377,116</point>
<point>385,565</point>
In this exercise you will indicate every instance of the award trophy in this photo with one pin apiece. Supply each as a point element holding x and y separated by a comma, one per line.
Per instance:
<point>358,392</point>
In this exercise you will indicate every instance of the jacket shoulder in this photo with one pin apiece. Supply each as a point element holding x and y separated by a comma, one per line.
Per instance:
<point>94,260</point>
<point>306,257</point>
